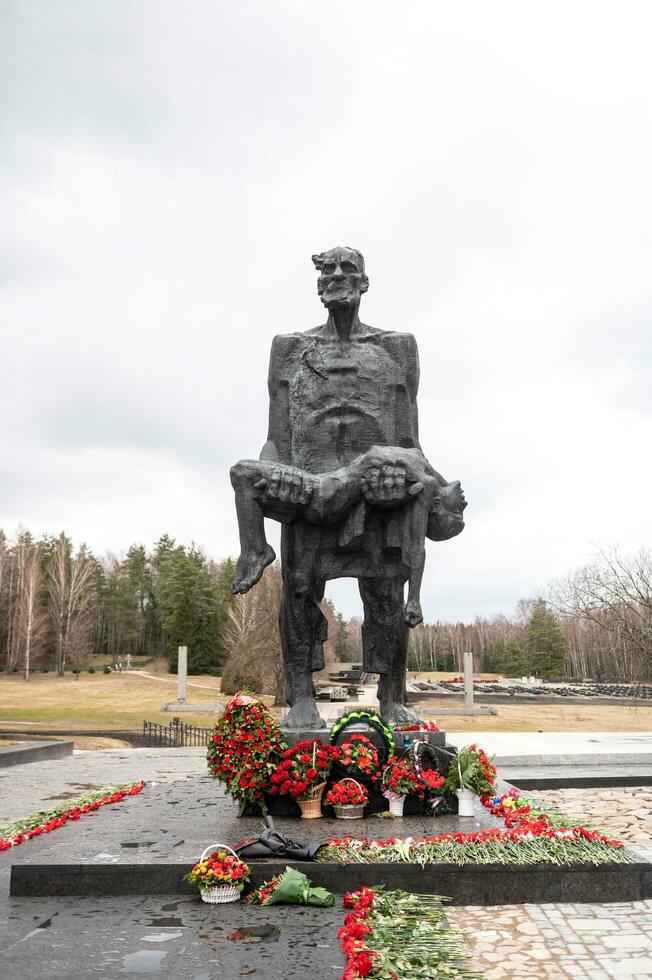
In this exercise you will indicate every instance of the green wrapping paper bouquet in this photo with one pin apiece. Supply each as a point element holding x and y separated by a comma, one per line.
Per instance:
<point>291,888</point>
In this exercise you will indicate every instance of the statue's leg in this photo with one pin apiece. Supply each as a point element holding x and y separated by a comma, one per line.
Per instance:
<point>255,553</point>
<point>416,525</point>
<point>385,643</point>
<point>303,630</point>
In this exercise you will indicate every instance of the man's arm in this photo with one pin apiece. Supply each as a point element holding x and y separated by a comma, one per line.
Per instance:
<point>402,347</point>
<point>413,387</point>
<point>277,447</point>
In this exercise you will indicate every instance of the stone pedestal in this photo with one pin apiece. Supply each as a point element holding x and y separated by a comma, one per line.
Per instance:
<point>437,739</point>
<point>305,735</point>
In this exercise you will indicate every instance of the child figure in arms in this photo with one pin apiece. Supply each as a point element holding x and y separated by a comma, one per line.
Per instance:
<point>380,478</point>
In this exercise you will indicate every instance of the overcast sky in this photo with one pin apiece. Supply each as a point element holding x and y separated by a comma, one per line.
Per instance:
<point>166,171</point>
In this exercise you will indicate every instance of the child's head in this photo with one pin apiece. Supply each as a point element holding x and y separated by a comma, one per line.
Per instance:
<point>445,520</point>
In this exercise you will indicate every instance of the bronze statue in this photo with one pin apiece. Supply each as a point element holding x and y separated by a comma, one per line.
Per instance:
<point>343,471</point>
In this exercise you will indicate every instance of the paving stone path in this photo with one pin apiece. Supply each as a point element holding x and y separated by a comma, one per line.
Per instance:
<point>625,812</point>
<point>531,942</point>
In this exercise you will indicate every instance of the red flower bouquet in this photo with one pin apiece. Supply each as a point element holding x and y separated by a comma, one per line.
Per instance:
<point>400,778</point>
<point>424,726</point>
<point>347,793</point>
<point>431,780</point>
<point>303,768</point>
<point>359,757</point>
<point>244,748</point>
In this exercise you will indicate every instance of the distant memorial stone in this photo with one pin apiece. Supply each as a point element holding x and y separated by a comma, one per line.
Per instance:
<point>343,471</point>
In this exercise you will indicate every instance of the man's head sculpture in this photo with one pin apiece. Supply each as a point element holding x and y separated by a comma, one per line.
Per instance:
<point>342,278</point>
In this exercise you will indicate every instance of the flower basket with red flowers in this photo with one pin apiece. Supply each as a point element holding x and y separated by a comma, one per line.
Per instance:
<point>359,758</point>
<point>302,774</point>
<point>219,876</point>
<point>399,779</point>
<point>244,748</point>
<point>348,798</point>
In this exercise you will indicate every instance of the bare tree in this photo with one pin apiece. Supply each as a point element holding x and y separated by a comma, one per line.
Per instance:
<point>252,639</point>
<point>71,588</point>
<point>19,557</point>
<point>612,599</point>
<point>270,653</point>
<point>31,616</point>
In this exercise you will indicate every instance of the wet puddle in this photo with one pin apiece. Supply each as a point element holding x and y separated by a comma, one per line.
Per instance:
<point>144,961</point>
<point>247,934</point>
<point>139,843</point>
<point>39,928</point>
<point>166,920</point>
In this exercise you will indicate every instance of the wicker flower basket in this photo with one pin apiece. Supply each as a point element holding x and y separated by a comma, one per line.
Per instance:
<point>311,806</point>
<point>350,811</point>
<point>219,894</point>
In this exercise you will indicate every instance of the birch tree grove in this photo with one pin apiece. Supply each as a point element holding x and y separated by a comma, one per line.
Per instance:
<point>71,588</point>
<point>59,603</point>
<point>31,619</point>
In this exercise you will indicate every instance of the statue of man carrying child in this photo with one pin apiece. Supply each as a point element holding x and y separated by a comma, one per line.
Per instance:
<point>343,471</point>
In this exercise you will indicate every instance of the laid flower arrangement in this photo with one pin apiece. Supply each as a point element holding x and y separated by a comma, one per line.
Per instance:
<point>45,821</point>
<point>531,843</point>
<point>425,726</point>
<point>302,773</point>
<point>220,876</point>
<point>245,748</point>
<point>373,721</point>
<point>359,757</point>
<point>396,934</point>
<point>291,888</point>
<point>348,799</point>
<point>471,769</point>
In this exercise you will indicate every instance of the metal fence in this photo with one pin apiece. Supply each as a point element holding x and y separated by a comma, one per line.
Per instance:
<point>175,734</point>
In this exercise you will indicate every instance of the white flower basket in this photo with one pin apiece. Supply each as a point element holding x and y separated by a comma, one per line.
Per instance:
<point>219,894</point>
<point>396,804</point>
<point>465,797</point>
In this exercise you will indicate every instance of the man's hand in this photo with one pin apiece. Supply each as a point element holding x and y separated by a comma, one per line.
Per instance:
<point>286,486</point>
<point>387,485</point>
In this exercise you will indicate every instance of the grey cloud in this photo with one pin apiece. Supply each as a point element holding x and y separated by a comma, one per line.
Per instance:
<point>165,177</point>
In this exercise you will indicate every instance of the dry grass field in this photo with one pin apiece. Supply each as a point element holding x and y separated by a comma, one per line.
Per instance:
<point>98,701</point>
<point>544,717</point>
<point>114,702</point>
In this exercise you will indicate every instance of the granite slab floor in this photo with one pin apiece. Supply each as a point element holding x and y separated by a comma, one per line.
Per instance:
<point>180,811</point>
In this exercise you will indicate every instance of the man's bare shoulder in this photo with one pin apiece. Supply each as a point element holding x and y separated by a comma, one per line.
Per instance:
<point>398,343</point>
<point>284,344</point>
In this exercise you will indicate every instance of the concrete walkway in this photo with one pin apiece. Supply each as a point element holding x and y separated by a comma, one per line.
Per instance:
<point>561,748</point>
<point>41,786</point>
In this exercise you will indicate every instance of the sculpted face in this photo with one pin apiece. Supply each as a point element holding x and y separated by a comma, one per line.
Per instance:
<point>342,278</point>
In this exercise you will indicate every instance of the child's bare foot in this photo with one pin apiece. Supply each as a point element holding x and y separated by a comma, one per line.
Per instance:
<point>250,568</point>
<point>413,613</point>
